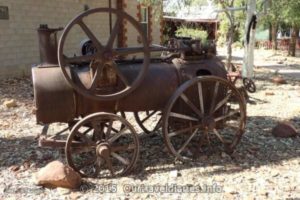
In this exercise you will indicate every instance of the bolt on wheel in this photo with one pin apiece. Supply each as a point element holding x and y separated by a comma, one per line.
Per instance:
<point>204,112</point>
<point>98,147</point>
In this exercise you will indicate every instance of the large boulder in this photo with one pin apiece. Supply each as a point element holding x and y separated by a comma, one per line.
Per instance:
<point>284,130</point>
<point>56,174</point>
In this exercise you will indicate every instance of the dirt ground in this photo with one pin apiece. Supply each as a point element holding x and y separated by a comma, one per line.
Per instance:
<point>263,167</point>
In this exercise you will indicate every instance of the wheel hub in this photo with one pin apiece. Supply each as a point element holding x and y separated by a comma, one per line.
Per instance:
<point>209,123</point>
<point>103,150</point>
<point>108,55</point>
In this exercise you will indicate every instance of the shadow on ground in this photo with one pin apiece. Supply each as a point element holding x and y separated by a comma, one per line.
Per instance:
<point>257,148</point>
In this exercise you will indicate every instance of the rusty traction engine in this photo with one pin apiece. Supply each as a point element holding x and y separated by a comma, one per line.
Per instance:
<point>185,93</point>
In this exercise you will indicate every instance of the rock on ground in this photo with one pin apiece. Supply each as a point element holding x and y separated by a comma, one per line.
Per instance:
<point>56,174</point>
<point>284,130</point>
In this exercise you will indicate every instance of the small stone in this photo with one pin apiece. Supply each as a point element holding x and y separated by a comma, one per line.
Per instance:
<point>33,111</point>
<point>225,155</point>
<point>63,191</point>
<point>284,130</point>
<point>74,195</point>
<point>269,93</point>
<point>174,174</point>
<point>10,103</point>
<point>14,168</point>
<point>56,174</point>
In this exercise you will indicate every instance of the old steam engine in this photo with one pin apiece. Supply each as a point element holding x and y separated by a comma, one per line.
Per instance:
<point>185,95</point>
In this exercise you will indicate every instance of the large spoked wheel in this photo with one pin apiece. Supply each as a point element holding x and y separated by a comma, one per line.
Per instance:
<point>204,113</point>
<point>104,58</point>
<point>98,147</point>
<point>149,121</point>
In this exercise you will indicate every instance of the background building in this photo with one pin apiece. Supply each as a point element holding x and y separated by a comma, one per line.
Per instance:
<point>19,48</point>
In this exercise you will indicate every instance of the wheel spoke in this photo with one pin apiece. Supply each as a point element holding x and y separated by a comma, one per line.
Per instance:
<point>182,116</point>
<point>223,102</point>
<point>120,74</point>
<point>99,162</point>
<point>86,163</point>
<point>109,166</point>
<point>80,59</point>
<point>76,78</point>
<point>201,97</point>
<point>112,129</point>
<point>148,116</point>
<point>116,136</point>
<point>85,138</point>
<point>86,131</point>
<point>187,142</point>
<point>158,124</point>
<point>123,148</point>
<point>183,130</point>
<point>114,32</point>
<point>96,78</point>
<point>98,131</point>
<point>228,115</point>
<point>128,51</point>
<point>216,90</point>
<point>191,105</point>
<point>109,129</point>
<point>219,136</point>
<point>120,158</point>
<point>89,33</point>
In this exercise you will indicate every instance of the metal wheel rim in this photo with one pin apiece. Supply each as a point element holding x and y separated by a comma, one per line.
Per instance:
<point>95,116</point>
<point>177,95</point>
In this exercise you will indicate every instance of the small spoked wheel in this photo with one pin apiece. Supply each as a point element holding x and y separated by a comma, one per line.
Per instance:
<point>249,85</point>
<point>98,147</point>
<point>149,121</point>
<point>204,113</point>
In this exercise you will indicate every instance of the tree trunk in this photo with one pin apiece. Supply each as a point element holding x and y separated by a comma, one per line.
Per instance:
<point>248,61</point>
<point>274,36</point>
<point>229,47</point>
<point>230,37</point>
<point>270,32</point>
<point>293,41</point>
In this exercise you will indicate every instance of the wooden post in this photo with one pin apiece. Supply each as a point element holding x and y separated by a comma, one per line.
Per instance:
<point>248,64</point>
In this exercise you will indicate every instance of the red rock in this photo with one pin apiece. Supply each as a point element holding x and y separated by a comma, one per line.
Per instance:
<point>284,130</point>
<point>56,174</point>
<point>278,80</point>
<point>14,168</point>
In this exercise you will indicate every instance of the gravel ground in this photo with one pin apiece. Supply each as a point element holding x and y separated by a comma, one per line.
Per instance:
<point>262,167</point>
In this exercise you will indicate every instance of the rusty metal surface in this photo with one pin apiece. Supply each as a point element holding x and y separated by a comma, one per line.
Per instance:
<point>146,97</point>
<point>188,69</point>
<point>54,98</point>
<point>48,44</point>
<point>54,95</point>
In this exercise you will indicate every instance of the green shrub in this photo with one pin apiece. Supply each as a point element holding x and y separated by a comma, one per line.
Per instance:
<point>192,33</point>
